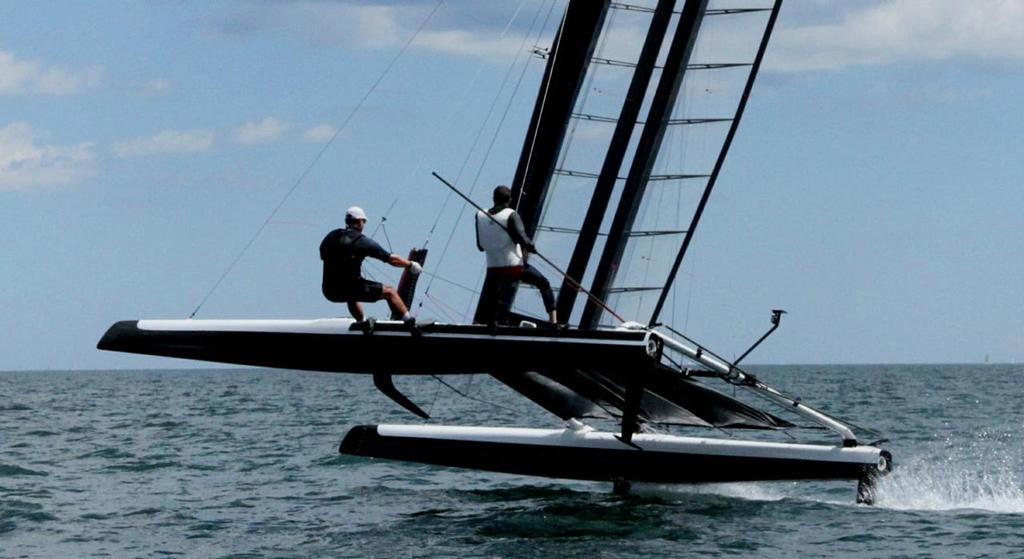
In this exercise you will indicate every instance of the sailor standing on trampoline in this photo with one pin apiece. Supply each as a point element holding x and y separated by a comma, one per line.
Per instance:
<point>503,238</point>
<point>343,251</point>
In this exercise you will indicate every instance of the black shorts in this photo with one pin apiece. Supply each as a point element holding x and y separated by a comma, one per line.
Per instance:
<point>362,290</point>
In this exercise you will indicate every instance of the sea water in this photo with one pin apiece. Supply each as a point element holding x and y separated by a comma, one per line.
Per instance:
<point>244,463</point>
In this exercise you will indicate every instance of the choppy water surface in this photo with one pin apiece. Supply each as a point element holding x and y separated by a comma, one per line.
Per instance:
<point>244,463</point>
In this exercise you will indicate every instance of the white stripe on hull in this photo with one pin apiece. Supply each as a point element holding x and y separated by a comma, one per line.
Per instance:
<point>342,326</point>
<point>589,438</point>
<point>313,326</point>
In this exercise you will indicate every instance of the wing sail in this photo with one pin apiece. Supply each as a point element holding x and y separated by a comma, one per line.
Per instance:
<point>616,192</point>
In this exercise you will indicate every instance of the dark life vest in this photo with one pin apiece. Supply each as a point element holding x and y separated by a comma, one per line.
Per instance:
<point>342,262</point>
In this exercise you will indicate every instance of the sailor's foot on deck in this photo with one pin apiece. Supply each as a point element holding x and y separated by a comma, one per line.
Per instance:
<point>367,326</point>
<point>410,323</point>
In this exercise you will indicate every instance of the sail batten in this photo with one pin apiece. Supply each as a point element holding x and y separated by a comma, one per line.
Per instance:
<point>660,111</point>
<point>559,90</point>
<point>693,133</point>
<point>622,185</point>
<point>604,156</point>
<point>671,122</point>
<point>616,153</point>
<point>710,12</point>
<point>572,231</point>
<point>718,163</point>
<point>662,177</point>
<point>699,66</point>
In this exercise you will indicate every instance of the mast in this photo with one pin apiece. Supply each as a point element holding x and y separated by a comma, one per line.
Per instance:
<point>566,70</point>
<point>718,163</point>
<point>646,154</point>
<point>615,155</point>
<point>567,66</point>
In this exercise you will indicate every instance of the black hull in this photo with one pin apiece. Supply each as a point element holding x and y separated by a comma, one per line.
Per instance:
<point>610,463</point>
<point>391,348</point>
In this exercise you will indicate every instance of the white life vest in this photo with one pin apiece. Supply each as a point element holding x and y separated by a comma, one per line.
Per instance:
<point>497,243</point>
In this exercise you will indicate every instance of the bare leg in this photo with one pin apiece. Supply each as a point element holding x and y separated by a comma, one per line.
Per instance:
<point>395,301</point>
<point>356,310</point>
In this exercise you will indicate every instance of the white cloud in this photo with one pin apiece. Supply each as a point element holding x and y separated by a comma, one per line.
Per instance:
<point>27,77</point>
<point>480,44</point>
<point>904,30</point>
<point>320,133</point>
<point>266,130</point>
<point>166,142</point>
<point>24,163</point>
<point>371,26</point>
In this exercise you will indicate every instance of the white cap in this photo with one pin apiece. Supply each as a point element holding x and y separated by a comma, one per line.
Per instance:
<point>355,212</point>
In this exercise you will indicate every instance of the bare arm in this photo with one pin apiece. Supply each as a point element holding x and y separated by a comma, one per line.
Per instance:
<point>398,262</point>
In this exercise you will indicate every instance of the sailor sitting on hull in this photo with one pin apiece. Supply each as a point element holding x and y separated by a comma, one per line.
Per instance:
<point>343,251</point>
<point>501,235</point>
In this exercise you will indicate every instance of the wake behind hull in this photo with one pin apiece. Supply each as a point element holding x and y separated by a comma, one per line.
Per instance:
<point>585,454</point>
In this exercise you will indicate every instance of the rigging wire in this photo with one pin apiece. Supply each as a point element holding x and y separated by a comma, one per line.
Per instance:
<point>422,159</point>
<point>479,287</point>
<point>475,399</point>
<point>866,430</point>
<point>543,101</point>
<point>656,210</point>
<point>480,131</point>
<point>445,309</point>
<point>384,217</point>
<point>461,102</point>
<point>386,237</point>
<point>570,135</point>
<point>572,282</point>
<point>476,178</point>
<point>569,142</point>
<point>319,154</point>
<point>462,286</point>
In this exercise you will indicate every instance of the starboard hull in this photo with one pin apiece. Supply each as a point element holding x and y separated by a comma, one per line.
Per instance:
<point>585,454</point>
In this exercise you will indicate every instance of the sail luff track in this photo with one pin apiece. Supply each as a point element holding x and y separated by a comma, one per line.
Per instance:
<point>646,153</point>
<point>718,163</point>
<point>615,155</point>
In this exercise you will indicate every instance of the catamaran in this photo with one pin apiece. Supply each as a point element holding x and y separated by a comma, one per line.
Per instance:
<point>624,367</point>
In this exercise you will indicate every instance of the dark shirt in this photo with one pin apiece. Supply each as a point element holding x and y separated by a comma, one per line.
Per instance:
<point>343,251</point>
<point>515,229</point>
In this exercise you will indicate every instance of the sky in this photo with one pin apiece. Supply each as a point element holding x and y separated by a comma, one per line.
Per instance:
<point>159,158</point>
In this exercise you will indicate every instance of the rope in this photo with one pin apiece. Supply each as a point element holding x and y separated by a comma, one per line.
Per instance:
<point>570,138</point>
<point>386,237</point>
<point>515,90</point>
<point>461,103</point>
<point>479,287</point>
<point>316,159</point>
<point>572,283</point>
<point>450,282</point>
<point>384,217</point>
<point>543,101</point>
<point>464,395</point>
<point>487,153</point>
<point>443,308</point>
